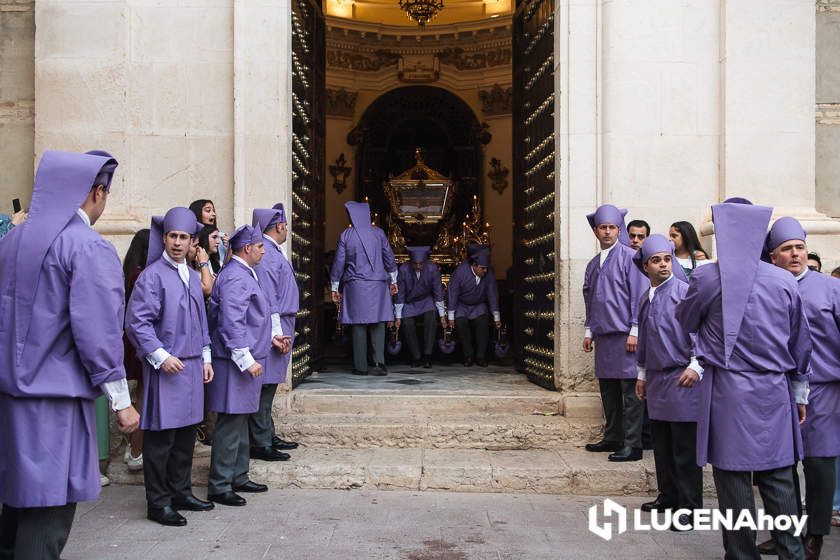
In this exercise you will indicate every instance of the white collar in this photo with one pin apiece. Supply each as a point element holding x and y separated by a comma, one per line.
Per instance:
<point>653,288</point>
<point>246,265</point>
<point>83,215</point>
<point>802,274</point>
<point>269,238</point>
<point>182,268</point>
<point>602,256</point>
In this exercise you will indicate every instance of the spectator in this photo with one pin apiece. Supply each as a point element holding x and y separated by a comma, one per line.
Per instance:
<point>637,231</point>
<point>209,239</point>
<point>814,262</point>
<point>205,213</point>
<point>8,222</point>
<point>687,248</point>
<point>133,265</point>
<point>836,272</point>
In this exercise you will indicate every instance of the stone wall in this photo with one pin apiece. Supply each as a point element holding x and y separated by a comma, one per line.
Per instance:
<point>828,108</point>
<point>17,100</point>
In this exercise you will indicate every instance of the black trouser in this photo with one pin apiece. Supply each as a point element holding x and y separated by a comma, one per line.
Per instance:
<point>230,457</point>
<point>409,325</point>
<point>478,327</point>
<point>622,411</point>
<point>36,533</point>
<point>167,464</point>
<point>261,423</point>
<point>819,493</point>
<point>678,477</point>
<point>377,339</point>
<point>734,490</point>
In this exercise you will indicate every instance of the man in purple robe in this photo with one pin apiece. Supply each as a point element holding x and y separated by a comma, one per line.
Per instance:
<point>473,296</point>
<point>420,295</point>
<point>61,313</point>
<point>821,432</point>
<point>277,279</point>
<point>365,269</point>
<point>166,323</point>
<point>240,336</point>
<point>612,291</point>
<point>667,372</point>
<point>754,344</point>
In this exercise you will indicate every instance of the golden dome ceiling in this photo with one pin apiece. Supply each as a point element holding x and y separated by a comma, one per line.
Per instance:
<point>388,12</point>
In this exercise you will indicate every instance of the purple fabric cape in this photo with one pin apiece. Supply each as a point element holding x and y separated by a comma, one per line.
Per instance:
<point>61,312</point>
<point>359,213</point>
<point>471,300</point>
<point>163,313</point>
<point>821,299</point>
<point>665,351</point>
<point>278,282</point>
<point>238,317</point>
<point>419,295</point>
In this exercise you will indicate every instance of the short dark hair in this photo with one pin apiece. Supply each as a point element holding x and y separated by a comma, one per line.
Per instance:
<point>641,224</point>
<point>815,257</point>
<point>836,271</point>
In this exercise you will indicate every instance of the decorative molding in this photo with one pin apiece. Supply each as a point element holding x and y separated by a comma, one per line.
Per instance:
<point>340,102</point>
<point>828,113</point>
<point>475,60</point>
<point>418,69</point>
<point>496,100</point>
<point>498,174</point>
<point>361,62</point>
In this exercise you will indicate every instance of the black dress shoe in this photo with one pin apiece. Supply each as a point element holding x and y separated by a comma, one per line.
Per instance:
<point>415,363</point>
<point>659,504</point>
<point>166,516</point>
<point>768,548</point>
<point>379,370</point>
<point>229,498</point>
<point>626,454</point>
<point>191,503</point>
<point>281,444</point>
<point>481,363</point>
<point>252,487</point>
<point>468,362</point>
<point>268,454</point>
<point>685,523</point>
<point>358,372</point>
<point>603,446</point>
<point>427,362</point>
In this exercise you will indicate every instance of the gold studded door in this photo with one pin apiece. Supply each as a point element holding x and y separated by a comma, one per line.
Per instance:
<point>534,183</point>
<point>308,90</point>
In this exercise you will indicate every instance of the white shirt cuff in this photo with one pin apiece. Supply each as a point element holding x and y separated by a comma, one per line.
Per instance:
<point>801,390</point>
<point>276,326</point>
<point>393,277</point>
<point>497,316</point>
<point>206,355</point>
<point>641,373</point>
<point>587,332</point>
<point>440,308</point>
<point>157,357</point>
<point>398,308</point>
<point>634,330</point>
<point>242,358</point>
<point>334,286</point>
<point>451,315</point>
<point>117,393</point>
<point>695,365</point>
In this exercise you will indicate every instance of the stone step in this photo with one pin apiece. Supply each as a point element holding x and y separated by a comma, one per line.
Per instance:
<point>568,469</point>
<point>476,431</point>
<point>425,403</point>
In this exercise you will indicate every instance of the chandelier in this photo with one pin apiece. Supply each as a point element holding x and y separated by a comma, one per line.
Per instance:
<point>421,11</point>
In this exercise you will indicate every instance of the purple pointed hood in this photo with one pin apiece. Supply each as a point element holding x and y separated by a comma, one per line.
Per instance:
<point>279,206</point>
<point>482,258</point>
<point>156,239</point>
<point>418,254</point>
<point>266,218</point>
<point>62,182</point>
<point>176,219</point>
<point>246,235</point>
<point>609,214</point>
<point>740,231</point>
<point>359,213</point>
<point>654,244</point>
<point>784,229</point>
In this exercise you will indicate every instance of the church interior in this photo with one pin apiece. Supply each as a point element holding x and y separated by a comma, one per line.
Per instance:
<point>411,106</point>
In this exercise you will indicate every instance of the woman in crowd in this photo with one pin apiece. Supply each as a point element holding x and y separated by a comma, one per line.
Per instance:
<point>133,265</point>
<point>205,213</point>
<point>687,248</point>
<point>209,239</point>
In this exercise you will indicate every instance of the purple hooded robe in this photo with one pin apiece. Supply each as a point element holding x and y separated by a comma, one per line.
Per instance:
<point>164,313</point>
<point>611,295</point>
<point>277,279</point>
<point>753,341</point>
<point>238,317</point>
<point>418,295</point>
<point>664,349</point>
<point>468,299</point>
<point>364,264</point>
<point>821,300</point>
<point>61,310</point>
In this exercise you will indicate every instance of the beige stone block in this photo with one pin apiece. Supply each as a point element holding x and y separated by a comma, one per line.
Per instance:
<point>160,167</point>
<point>631,98</point>
<point>391,469</point>
<point>593,474</point>
<point>17,55</point>
<point>530,471</point>
<point>456,469</point>
<point>210,98</point>
<point>81,30</point>
<point>187,33</point>
<point>583,406</point>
